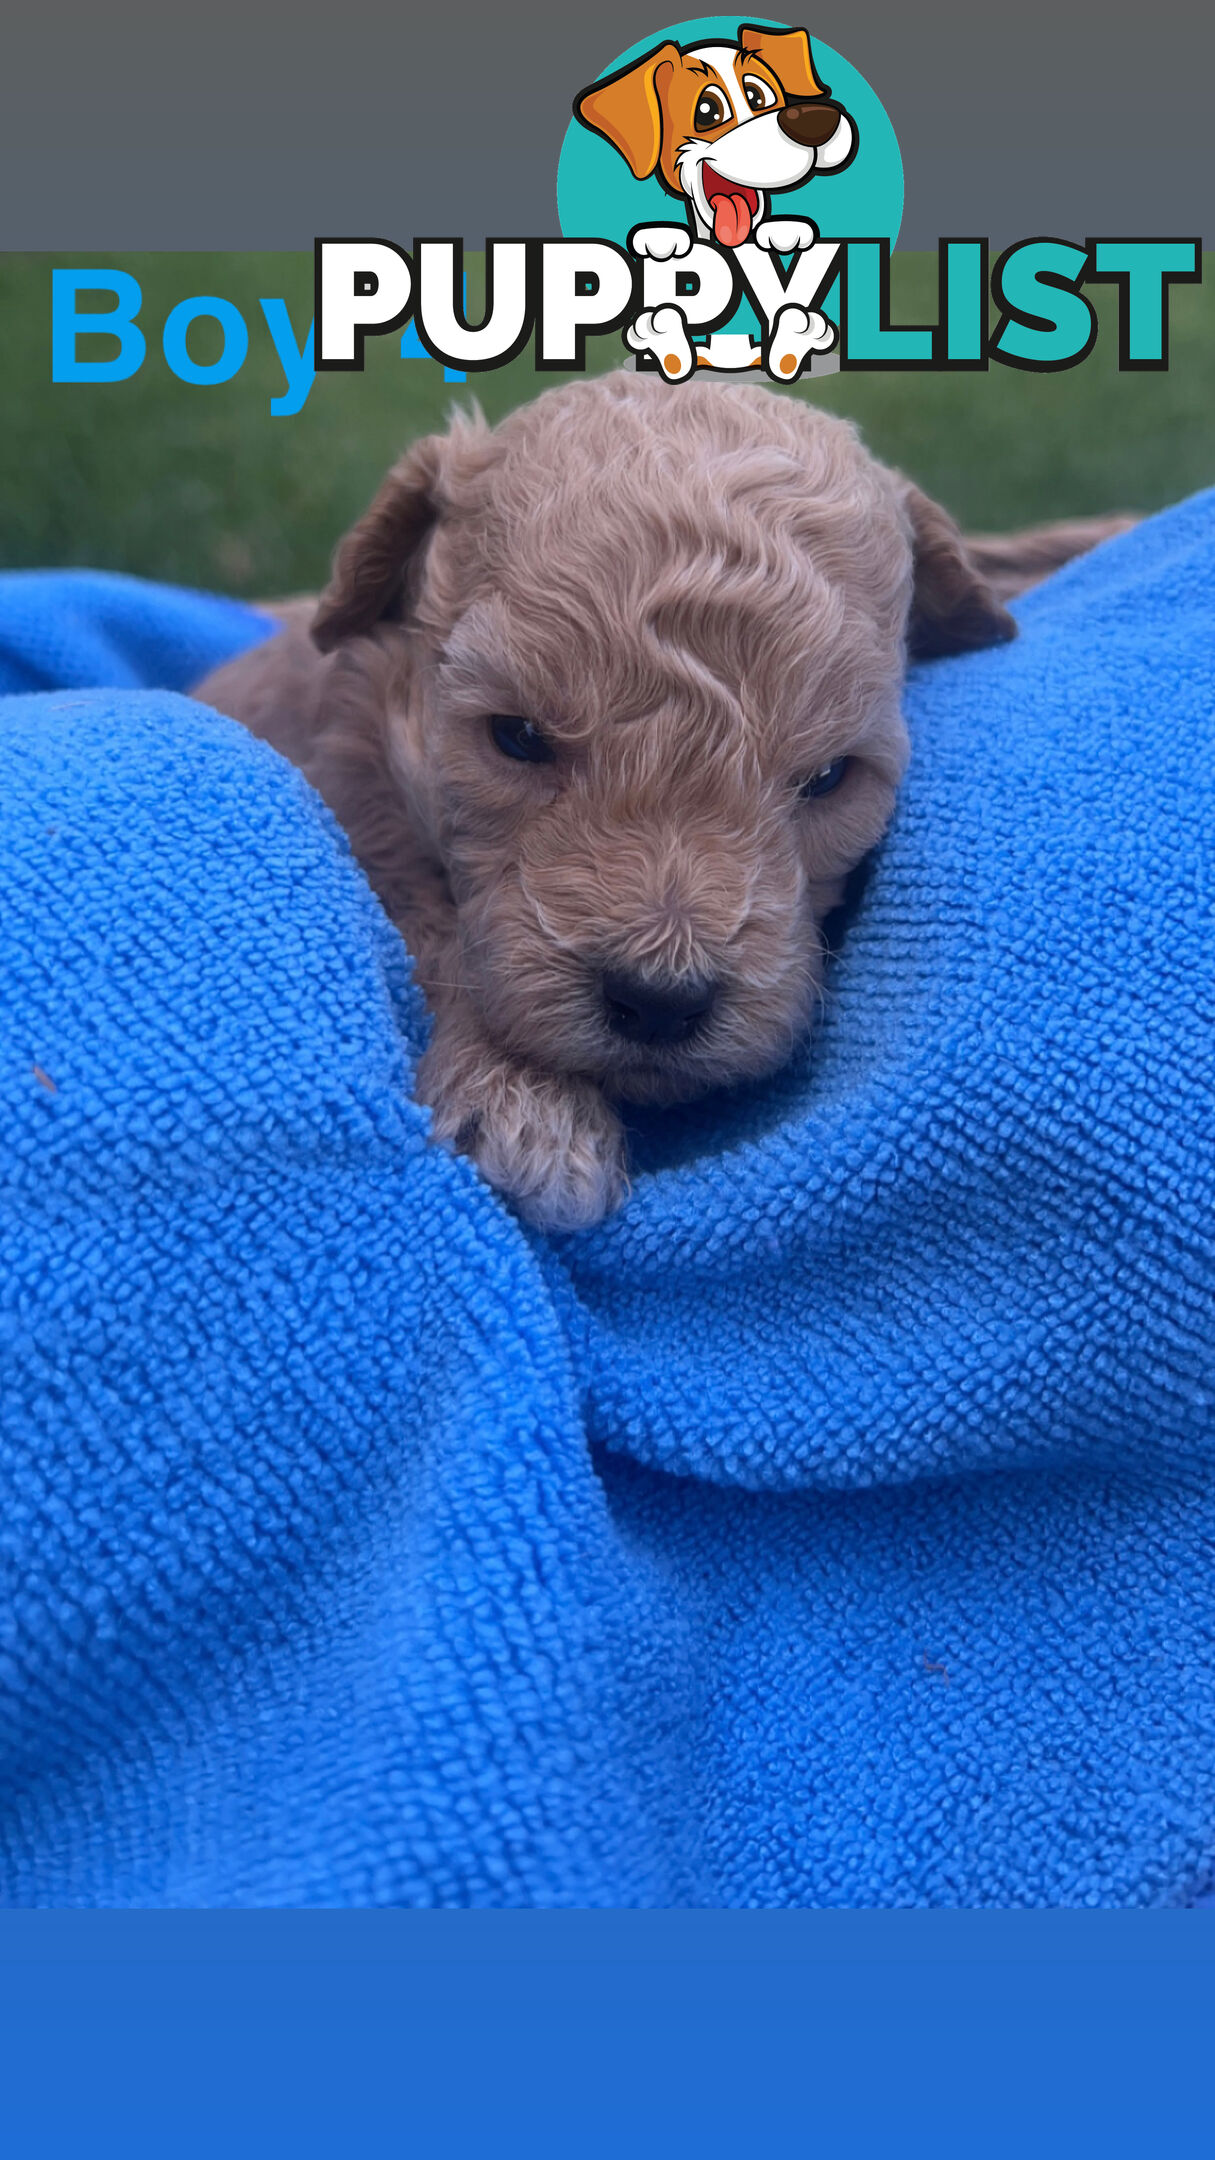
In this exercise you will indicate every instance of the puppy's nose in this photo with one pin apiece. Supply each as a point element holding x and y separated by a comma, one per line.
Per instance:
<point>643,1013</point>
<point>811,124</point>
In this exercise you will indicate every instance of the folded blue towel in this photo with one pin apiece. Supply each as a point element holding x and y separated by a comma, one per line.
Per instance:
<point>95,629</point>
<point>835,1526</point>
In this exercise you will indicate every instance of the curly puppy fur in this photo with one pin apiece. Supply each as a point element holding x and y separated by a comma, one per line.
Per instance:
<point>700,599</point>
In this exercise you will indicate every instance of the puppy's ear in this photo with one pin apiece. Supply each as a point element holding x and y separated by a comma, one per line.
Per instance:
<point>627,109</point>
<point>953,608</point>
<point>787,53</point>
<point>372,564</point>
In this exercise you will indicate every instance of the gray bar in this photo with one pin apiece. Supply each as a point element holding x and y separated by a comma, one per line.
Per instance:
<point>240,125</point>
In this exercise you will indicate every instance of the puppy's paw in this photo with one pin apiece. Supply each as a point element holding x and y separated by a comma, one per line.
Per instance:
<point>796,333</point>
<point>547,1141</point>
<point>663,331</point>
<point>785,236</point>
<point>661,243</point>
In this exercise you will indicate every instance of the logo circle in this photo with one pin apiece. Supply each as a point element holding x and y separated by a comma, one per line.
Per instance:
<point>598,197</point>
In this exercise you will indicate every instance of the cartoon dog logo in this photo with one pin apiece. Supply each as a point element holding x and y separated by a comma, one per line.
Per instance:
<point>724,126</point>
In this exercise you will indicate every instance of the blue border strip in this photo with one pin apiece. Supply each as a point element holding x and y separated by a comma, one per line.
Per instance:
<point>573,2033</point>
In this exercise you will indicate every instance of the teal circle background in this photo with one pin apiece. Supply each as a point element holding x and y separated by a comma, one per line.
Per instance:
<point>598,198</point>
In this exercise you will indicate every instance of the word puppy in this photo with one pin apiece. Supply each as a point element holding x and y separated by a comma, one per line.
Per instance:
<point>607,699</point>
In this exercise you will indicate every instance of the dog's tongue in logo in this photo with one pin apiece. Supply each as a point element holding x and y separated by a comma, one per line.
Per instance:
<point>731,220</point>
<point>733,207</point>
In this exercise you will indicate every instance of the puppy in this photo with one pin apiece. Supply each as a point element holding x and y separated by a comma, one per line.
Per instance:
<point>723,126</point>
<point>608,701</point>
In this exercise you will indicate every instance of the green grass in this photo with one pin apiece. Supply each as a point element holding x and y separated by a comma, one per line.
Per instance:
<point>201,485</point>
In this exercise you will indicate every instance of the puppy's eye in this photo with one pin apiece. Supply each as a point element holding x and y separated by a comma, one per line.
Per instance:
<point>517,738</point>
<point>710,110</point>
<point>825,780</point>
<point>759,94</point>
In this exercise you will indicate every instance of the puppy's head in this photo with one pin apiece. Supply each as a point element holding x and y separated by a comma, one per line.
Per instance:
<point>723,125</point>
<point>640,656</point>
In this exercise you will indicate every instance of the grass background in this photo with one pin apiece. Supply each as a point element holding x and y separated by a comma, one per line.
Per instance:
<point>201,485</point>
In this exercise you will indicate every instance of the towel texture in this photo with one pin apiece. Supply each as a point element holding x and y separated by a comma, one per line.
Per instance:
<point>835,1526</point>
<point>95,629</point>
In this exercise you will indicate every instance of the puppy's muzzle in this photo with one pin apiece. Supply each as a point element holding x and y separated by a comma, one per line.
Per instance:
<point>810,125</point>
<point>639,1012</point>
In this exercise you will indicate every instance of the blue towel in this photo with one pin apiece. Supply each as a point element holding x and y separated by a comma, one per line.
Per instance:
<point>96,629</point>
<point>835,1526</point>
